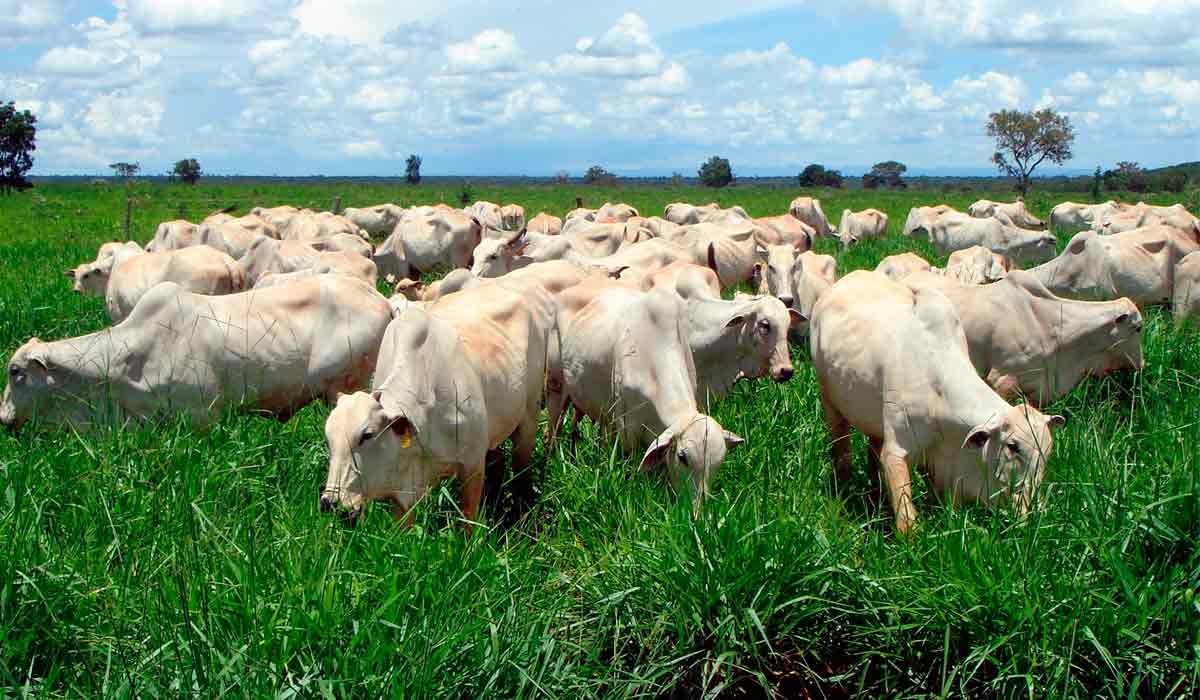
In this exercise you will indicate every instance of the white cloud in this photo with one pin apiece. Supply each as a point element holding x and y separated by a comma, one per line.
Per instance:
<point>1078,82</point>
<point>625,50</point>
<point>125,117</point>
<point>369,148</point>
<point>864,71</point>
<point>674,80</point>
<point>778,57</point>
<point>20,19</point>
<point>990,88</point>
<point>490,51</point>
<point>382,96</point>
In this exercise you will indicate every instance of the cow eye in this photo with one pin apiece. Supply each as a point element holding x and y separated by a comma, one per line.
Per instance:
<point>1014,447</point>
<point>366,437</point>
<point>764,325</point>
<point>14,371</point>
<point>682,457</point>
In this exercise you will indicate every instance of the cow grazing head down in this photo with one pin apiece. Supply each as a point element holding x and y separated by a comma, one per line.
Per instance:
<point>367,448</point>
<point>37,385</point>
<point>1010,449</point>
<point>697,446</point>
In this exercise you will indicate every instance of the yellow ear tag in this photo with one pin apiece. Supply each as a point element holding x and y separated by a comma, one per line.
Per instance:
<point>405,441</point>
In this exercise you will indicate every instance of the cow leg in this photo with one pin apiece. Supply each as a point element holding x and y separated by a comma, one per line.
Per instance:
<point>524,441</point>
<point>898,478</point>
<point>472,480</point>
<point>493,480</point>
<point>556,401</point>
<point>874,466</point>
<point>839,433</point>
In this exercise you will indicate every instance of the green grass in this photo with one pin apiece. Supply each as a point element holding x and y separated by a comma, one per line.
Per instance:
<point>159,562</point>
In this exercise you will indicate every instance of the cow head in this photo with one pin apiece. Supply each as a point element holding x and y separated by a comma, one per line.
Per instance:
<point>775,272</point>
<point>696,445</point>
<point>1012,448</point>
<point>372,455</point>
<point>1120,337</point>
<point>762,324</point>
<point>496,257</point>
<point>31,380</point>
<point>91,278</point>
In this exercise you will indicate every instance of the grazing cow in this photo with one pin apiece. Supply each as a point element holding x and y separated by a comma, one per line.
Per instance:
<point>199,269</point>
<point>378,221</point>
<point>1144,215</point>
<point>453,381</point>
<point>280,217</point>
<point>311,226</point>
<point>174,235</point>
<point>953,231</point>
<point>454,281</point>
<point>597,240</point>
<point>344,243</point>
<point>250,223</point>
<point>1187,289</point>
<point>1009,213</point>
<point>732,252</point>
<point>618,212</point>
<point>898,369</point>
<point>785,230</point>
<point>976,265</point>
<point>421,244</point>
<point>809,211</point>
<point>580,213</point>
<point>1071,216</point>
<point>658,226</point>
<point>326,263</point>
<point>487,214</point>
<point>925,218</point>
<point>545,224</point>
<point>92,277</point>
<point>685,214</point>
<point>685,278</point>
<point>860,226</point>
<point>512,217</point>
<point>1024,340</point>
<point>1138,264</point>
<point>229,236</point>
<point>625,362</point>
<point>271,351</point>
<point>267,256</point>
<point>897,267</point>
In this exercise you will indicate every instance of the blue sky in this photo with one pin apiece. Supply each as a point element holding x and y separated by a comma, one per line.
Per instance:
<point>343,87</point>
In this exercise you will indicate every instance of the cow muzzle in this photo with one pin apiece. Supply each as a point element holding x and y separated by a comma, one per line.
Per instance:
<point>782,374</point>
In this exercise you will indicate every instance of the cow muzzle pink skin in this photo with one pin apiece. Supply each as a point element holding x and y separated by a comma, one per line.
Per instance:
<point>782,374</point>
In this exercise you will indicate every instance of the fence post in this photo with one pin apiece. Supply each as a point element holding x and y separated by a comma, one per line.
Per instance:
<point>128,214</point>
<point>337,205</point>
<point>181,213</point>
<point>579,202</point>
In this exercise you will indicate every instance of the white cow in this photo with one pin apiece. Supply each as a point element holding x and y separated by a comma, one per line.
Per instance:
<point>1138,264</point>
<point>809,211</point>
<point>1144,215</point>
<point>898,369</point>
<point>953,231</point>
<point>453,381</point>
<point>1009,213</point>
<point>897,267</point>
<point>272,351</point>
<point>1186,301</point>
<point>976,265</point>
<point>625,362</point>
<point>200,269</point>
<point>422,244</point>
<point>1024,340</point>
<point>860,226</point>
<point>1072,216</point>
<point>378,221</point>
<point>512,217</point>
<point>267,256</point>
<point>545,224</point>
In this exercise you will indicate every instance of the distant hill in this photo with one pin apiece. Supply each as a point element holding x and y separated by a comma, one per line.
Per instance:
<point>1192,169</point>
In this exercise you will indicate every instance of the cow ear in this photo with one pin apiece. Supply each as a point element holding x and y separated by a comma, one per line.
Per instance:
<point>797,319</point>
<point>761,252</point>
<point>377,396</point>
<point>1056,421</point>
<point>517,242</point>
<point>736,321</point>
<point>712,258</point>
<point>756,272</point>
<point>69,273</point>
<point>40,361</point>
<point>977,438</point>
<point>732,440</point>
<point>658,451</point>
<point>1077,245</point>
<point>1154,247</point>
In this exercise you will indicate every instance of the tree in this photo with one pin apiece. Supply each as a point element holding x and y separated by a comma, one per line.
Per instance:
<point>187,170</point>
<point>1025,139</point>
<point>886,174</point>
<point>1174,181</point>
<point>716,172</point>
<point>597,175</point>
<point>412,169</point>
<point>1097,184</point>
<point>1128,176</point>
<point>816,175</point>
<point>125,171</point>
<point>17,133</point>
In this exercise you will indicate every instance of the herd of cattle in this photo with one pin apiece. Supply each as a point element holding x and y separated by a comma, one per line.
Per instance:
<point>621,318</point>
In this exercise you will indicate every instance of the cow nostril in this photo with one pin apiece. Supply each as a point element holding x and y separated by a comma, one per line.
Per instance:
<point>326,503</point>
<point>785,374</point>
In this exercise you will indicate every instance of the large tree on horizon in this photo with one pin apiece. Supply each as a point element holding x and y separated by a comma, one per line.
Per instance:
<point>18,133</point>
<point>1025,139</point>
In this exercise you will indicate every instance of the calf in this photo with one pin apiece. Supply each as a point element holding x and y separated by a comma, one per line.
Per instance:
<point>272,351</point>
<point>976,265</point>
<point>898,369</point>
<point>861,226</point>
<point>809,211</point>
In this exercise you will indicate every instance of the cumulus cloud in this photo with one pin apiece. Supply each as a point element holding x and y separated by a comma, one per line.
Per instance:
<point>778,58</point>
<point>864,71</point>
<point>19,19</point>
<point>625,50</point>
<point>674,80</point>
<point>490,51</point>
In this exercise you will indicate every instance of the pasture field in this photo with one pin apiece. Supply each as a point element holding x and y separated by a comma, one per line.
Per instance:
<point>154,561</point>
